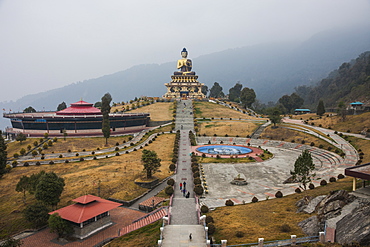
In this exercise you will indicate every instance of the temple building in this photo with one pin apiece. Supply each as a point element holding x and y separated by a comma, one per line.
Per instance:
<point>88,215</point>
<point>81,118</point>
<point>184,83</point>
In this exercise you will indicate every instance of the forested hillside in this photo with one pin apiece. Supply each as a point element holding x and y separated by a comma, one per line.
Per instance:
<point>350,82</point>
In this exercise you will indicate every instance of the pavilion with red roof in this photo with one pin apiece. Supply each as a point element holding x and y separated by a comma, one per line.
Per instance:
<point>80,108</point>
<point>88,215</point>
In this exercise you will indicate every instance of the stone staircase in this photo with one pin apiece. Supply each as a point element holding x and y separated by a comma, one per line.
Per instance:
<point>145,220</point>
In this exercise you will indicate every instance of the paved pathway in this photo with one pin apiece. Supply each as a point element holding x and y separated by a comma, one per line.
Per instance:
<point>184,217</point>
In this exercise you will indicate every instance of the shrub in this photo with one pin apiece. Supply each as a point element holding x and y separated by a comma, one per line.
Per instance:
<point>197,181</point>
<point>204,209</point>
<point>23,151</point>
<point>15,155</point>
<point>239,234</point>
<point>131,144</point>
<point>229,203</point>
<point>285,228</point>
<point>303,141</point>
<point>279,194</point>
<point>60,156</point>
<point>254,199</point>
<point>116,149</point>
<point>94,158</point>
<point>66,161</point>
<point>312,144</point>
<point>117,154</point>
<point>50,143</point>
<point>82,159</point>
<point>321,146</point>
<point>92,152</point>
<point>209,219</point>
<point>311,186</point>
<point>196,174</point>
<point>69,150</point>
<point>332,179</point>
<point>26,164</point>
<point>172,167</point>
<point>55,139</point>
<point>117,143</point>
<point>195,169</point>
<point>35,143</point>
<point>34,153</point>
<point>171,182</point>
<point>98,149</point>
<point>51,162</point>
<point>198,189</point>
<point>77,154</point>
<point>127,152</point>
<point>323,182</point>
<point>38,163</point>
<point>211,228</point>
<point>298,190</point>
<point>340,176</point>
<point>169,190</point>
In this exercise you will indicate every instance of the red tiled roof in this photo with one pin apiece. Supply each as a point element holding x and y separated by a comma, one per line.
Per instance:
<point>80,108</point>
<point>80,212</point>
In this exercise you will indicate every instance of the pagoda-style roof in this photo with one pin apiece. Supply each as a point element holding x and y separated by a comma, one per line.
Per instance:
<point>87,207</point>
<point>80,108</point>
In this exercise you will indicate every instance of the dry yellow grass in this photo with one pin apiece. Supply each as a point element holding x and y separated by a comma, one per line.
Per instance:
<point>231,128</point>
<point>264,219</point>
<point>116,176</point>
<point>209,110</point>
<point>159,111</point>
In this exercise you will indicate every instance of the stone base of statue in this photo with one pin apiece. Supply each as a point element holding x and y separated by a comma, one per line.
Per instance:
<point>184,85</point>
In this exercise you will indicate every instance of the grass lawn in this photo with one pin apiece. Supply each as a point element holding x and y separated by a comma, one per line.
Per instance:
<point>265,218</point>
<point>147,236</point>
<point>231,128</point>
<point>115,175</point>
<point>203,109</point>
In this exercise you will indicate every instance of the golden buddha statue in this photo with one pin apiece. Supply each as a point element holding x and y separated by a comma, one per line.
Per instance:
<point>184,64</point>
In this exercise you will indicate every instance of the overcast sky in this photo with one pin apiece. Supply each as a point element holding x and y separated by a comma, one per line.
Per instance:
<point>47,44</point>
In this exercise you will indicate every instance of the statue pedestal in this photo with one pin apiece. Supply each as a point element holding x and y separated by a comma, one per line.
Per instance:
<point>184,85</point>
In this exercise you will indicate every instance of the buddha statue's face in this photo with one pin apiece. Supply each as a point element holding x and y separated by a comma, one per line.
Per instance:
<point>184,54</point>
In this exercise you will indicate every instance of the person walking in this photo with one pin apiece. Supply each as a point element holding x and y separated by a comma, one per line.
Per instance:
<point>190,237</point>
<point>188,195</point>
<point>180,186</point>
<point>184,185</point>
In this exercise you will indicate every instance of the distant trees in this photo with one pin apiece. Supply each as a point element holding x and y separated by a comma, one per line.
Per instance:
<point>3,155</point>
<point>62,106</point>
<point>291,102</point>
<point>247,97</point>
<point>105,109</point>
<point>150,162</point>
<point>21,137</point>
<point>216,91</point>
<point>29,109</point>
<point>205,90</point>
<point>320,108</point>
<point>234,92</point>
<point>303,168</point>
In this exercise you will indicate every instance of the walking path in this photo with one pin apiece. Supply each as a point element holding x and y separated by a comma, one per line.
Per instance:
<point>184,211</point>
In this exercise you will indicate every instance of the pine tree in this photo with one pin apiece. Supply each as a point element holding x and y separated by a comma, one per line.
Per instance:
<point>150,161</point>
<point>320,108</point>
<point>303,168</point>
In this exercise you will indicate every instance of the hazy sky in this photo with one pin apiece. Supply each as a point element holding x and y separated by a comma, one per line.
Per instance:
<point>47,44</point>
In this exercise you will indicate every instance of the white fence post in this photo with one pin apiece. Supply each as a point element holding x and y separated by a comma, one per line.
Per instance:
<point>322,237</point>
<point>260,242</point>
<point>293,239</point>
<point>223,243</point>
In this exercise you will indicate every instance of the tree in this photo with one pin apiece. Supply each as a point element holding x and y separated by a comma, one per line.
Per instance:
<point>105,109</point>
<point>97,104</point>
<point>49,188</point>
<point>150,162</point>
<point>247,97</point>
<point>274,115</point>
<point>33,181</point>
<point>59,225</point>
<point>291,102</point>
<point>37,214</point>
<point>303,168</point>
<point>65,134</point>
<point>62,106</point>
<point>3,155</point>
<point>21,137</point>
<point>23,186</point>
<point>29,109</point>
<point>234,92</point>
<point>320,108</point>
<point>216,91</point>
<point>204,90</point>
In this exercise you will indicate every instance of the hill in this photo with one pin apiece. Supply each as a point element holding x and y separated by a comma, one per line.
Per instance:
<point>349,83</point>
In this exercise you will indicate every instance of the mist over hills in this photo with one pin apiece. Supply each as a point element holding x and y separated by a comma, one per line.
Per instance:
<point>272,70</point>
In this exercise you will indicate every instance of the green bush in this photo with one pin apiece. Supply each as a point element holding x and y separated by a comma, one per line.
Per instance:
<point>204,209</point>
<point>171,181</point>
<point>15,155</point>
<point>198,189</point>
<point>211,228</point>
<point>209,219</point>
<point>254,199</point>
<point>196,174</point>
<point>169,190</point>
<point>332,179</point>
<point>311,186</point>
<point>197,181</point>
<point>279,194</point>
<point>229,203</point>
<point>323,182</point>
<point>298,190</point>
<point>285,228</point>
<point>340,176</point>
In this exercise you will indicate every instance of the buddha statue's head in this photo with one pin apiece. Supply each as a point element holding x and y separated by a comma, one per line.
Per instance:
<point>184,53</point>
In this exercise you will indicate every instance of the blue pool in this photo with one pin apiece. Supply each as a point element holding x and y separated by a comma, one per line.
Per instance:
<point>224,149</point>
